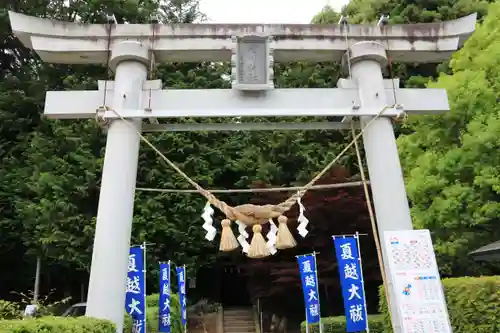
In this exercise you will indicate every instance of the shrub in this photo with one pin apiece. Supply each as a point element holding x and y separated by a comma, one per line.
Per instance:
<point>45,307</point>
<point>473,304</point>
<point>57,325</point>
<point>10,310</point>
<point>337,325</point>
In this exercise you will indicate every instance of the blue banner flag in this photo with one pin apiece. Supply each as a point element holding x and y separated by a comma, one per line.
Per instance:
<point>181,280</point>
<point>351,281</point>
<point>135,297</point>
<point>309,278</point>
<point>164,306</point>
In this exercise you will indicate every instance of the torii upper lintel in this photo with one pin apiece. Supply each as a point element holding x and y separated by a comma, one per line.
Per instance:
<point>71,43</point>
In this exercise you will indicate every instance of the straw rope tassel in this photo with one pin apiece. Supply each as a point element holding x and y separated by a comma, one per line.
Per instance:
<point>228,241</point>
<point>258,247</point>
<point>285,238</point>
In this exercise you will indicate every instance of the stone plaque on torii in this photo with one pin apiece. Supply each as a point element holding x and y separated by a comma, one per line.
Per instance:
<point>252,50</point>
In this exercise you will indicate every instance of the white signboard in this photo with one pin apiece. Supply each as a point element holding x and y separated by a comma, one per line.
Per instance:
<point>416,282</point>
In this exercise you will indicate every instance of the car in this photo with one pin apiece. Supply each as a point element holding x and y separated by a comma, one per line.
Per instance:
<point>76,310</point>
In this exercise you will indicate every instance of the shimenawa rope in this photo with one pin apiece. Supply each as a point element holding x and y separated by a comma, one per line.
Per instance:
<point>251,215</point>
<point>254,190</point>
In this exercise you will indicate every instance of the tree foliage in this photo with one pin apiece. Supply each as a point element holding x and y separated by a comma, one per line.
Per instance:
<point>451,161</point>
<point>447,181</point>
<point>51,170</point>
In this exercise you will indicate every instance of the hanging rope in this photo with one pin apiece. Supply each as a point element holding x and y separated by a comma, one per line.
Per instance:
<point>108,74</point>
<point>250,214</point>
<point>345,25</point>
<point>253,190</point>
<point>364,180</point>
<point>389,62</point>
<point>373,222</point>
<point>101,109</point>
<point>391,73</point>
<point>152,62</point>
<point>361,167</point>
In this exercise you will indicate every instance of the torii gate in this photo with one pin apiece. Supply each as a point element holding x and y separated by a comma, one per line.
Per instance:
<point>252,49</point>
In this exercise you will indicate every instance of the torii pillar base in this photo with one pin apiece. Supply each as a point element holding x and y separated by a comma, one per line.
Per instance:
<point>387,183</point>
<point>108,273</point>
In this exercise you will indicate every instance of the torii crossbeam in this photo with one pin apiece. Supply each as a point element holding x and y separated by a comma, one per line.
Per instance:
<point>252,50</point>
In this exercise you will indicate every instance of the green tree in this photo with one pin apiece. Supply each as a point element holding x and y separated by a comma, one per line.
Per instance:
<point>51,170</point>
<point>450,160</point>
<point>50,176</point>
<point>410,11</point>
<point>435,188</point>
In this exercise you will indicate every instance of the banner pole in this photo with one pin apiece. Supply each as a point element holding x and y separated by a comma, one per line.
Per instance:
<point>305,302</point>
<point>144,276</point>
<point>317,281</point>
<point>307,321</point>
<point>185,297</point>
<point>362,280</point>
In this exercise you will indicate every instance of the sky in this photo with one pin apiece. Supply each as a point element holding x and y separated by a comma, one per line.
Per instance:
<point>265,11</point>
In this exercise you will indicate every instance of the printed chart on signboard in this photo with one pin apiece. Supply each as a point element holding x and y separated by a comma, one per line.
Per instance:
<point>416,281</point>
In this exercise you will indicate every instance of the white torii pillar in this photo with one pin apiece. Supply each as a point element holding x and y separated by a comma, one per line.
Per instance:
<point>364,97</point>
<point>108,273</point>
<point>389,193</point>
<point>384,168</point>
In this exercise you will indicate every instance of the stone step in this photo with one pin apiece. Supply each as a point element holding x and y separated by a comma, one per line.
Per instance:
<point>238,320</point>
<point>249,318</point>
<point>239,325</point>
<point>239,329</point>
<point>238,315</point>
<point>236,309</point>
<point>235,313</point>
<point>235,320</point>
<point>241,319</point>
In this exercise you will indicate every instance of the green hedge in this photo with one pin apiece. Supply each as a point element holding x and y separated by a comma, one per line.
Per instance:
<point>10,310</point>
<point>57,325</point>
<point>473,304</point>
<point>337,325</point>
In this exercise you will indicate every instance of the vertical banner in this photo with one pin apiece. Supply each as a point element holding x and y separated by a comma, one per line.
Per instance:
<point>351,281</point>
<point>181,280</point>
<point>164,306</point>
<point>309,278</point>
<point>135,297</point>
